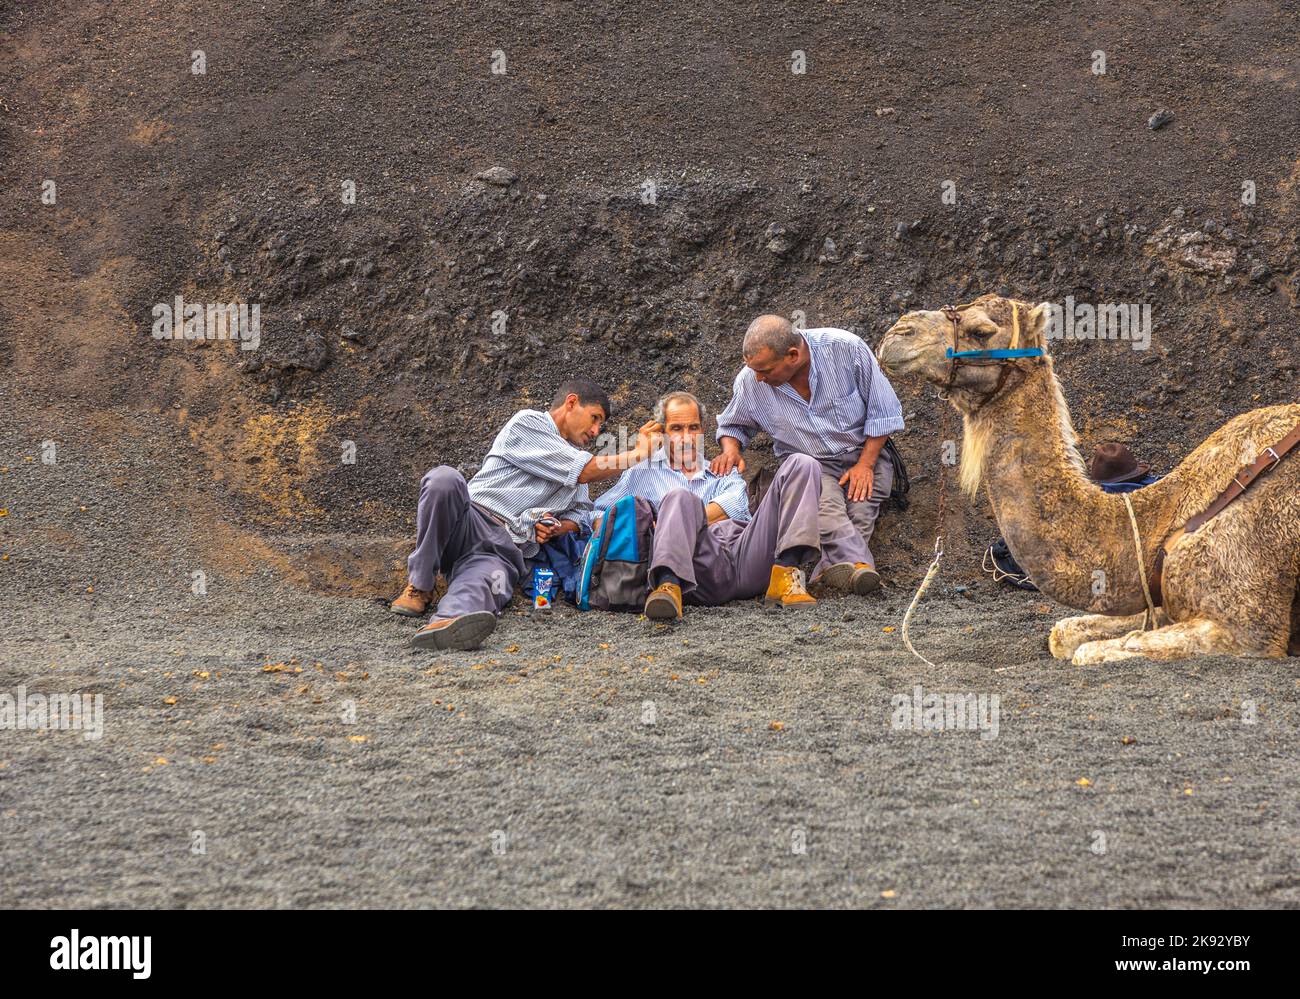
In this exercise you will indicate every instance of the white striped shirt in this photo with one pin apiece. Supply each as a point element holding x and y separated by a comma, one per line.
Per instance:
<point>654,478</point>
<point>851,400</point>
<point>529,467</point>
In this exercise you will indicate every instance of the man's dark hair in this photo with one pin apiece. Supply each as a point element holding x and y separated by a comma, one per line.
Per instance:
<point>587,391</point>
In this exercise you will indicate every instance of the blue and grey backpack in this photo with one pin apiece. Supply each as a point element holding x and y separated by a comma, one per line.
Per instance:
<point>616,569</point>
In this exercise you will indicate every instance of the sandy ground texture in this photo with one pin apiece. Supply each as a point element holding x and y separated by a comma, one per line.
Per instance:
<point>264,745</point>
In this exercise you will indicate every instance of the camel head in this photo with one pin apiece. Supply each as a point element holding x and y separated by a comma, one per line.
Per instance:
<point>917,345</point>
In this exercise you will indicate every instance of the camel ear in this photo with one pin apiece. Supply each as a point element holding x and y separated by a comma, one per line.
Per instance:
<point>1035,332</point>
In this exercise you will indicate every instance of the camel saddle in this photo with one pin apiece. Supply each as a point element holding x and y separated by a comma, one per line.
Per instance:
<point>1246,477</point>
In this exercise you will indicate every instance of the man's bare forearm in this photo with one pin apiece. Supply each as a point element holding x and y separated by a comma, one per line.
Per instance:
<point>609,466</point>
<point>871,451</point>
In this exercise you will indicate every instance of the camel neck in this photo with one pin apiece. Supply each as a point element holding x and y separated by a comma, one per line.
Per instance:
<point>1074,540</point>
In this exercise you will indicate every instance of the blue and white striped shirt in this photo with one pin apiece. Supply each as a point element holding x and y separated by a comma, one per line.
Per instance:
<point>531,467</point>
<point>851,400</point>
<point>654,478</point>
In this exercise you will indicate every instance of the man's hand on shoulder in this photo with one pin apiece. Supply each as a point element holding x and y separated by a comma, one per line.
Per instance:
<point>729,458</point>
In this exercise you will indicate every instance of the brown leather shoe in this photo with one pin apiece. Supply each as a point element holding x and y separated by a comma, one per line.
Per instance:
<point>665,603</point>
<point>786,588</point>
<point>464,632</point>
<point>852,577</point>
<point>412,602</point>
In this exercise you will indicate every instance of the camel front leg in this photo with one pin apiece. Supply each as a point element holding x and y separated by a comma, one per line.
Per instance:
<point>1071,632</point>
<point>1199,637</point>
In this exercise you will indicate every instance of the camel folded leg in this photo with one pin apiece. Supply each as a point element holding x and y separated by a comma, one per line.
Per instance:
<point>1071,632</point>
<point>1198,637</point>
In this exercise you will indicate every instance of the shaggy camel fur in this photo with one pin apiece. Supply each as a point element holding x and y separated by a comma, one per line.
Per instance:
<point>1231,588</point>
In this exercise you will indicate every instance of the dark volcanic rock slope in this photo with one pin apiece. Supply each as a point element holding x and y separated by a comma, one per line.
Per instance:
<point>619,202</point>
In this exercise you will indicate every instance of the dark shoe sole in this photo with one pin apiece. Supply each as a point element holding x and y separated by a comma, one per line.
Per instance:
<point>464,633</point>
<point>403,612</point>
<point>661,609</point>
<point>866,581</point>
<point>837,577</point>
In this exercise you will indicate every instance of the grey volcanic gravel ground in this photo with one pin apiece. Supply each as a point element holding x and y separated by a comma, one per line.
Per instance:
<point>541,736</point>
<point>547,744</point>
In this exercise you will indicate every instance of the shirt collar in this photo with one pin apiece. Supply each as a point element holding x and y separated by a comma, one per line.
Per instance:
<point>660,457</point>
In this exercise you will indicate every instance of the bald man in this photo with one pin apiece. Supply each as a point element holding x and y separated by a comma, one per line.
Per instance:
<point>821,393</point>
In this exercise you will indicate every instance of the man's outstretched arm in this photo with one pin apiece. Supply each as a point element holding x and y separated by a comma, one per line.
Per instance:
<point>607,466</point>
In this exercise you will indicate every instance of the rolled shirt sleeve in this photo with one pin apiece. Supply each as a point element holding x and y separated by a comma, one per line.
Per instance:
<point>533,446</point>
<point>736,420</point>
<point>732,494</point>
<point>884,411</point>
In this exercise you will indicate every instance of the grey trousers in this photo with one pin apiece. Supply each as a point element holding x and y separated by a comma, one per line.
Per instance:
<point>846,528</point>
<point>731,561</point>
<point>474,552</point>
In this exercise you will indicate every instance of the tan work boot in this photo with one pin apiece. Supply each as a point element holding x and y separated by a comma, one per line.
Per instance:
<point>412,602</point>
<point>852,577</point>
<point>786,588</point>
<point>665,603</point>
<point>464,632</point>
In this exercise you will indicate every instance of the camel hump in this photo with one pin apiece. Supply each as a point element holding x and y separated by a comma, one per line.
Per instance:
<point>1243,438</point>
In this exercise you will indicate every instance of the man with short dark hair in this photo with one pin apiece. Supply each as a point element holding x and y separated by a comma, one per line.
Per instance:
<point>821,393</point>
<point>531,489</point>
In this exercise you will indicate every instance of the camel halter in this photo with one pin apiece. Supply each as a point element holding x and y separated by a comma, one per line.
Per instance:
<point>1004,357</point>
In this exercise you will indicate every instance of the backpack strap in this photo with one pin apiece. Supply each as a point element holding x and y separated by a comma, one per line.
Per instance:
<point>606,532</point>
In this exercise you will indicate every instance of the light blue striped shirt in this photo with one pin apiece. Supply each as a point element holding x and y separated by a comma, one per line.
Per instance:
<point>851,400</point>
<point>654,478</point>
<point>531,467</point>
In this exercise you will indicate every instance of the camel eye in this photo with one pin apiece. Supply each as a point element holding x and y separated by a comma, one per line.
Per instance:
<point>983,332</point>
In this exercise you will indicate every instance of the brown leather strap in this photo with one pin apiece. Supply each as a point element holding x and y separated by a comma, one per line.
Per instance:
<point>1158,569</point>
<point>1243,480</point>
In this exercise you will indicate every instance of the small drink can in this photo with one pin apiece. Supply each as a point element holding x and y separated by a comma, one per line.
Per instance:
<point>543,588</point>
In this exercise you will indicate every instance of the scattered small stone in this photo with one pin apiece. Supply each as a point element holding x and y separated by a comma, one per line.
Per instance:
<point>498,176</point>
<point>780,240</point>
<point>1160,119</point>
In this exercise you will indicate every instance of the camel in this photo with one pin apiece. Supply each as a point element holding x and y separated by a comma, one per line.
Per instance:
<point>1230,588</point>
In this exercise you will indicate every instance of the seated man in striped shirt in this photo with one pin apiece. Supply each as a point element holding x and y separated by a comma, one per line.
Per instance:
<point>680,464</point>
<point>707,548</point>
<point>820,393</point>
<point>531,488</point>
